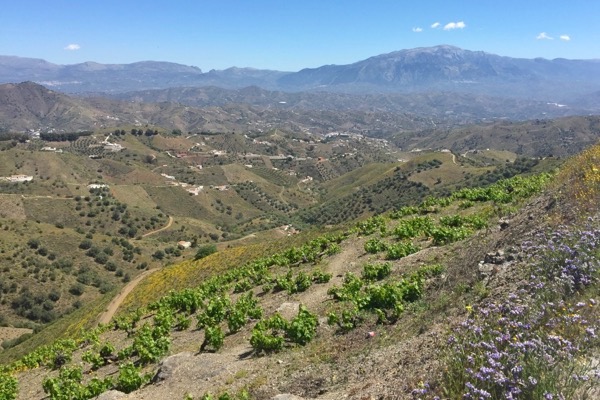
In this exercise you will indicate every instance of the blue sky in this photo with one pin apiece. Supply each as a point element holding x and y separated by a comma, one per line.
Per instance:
<point>290,35</point>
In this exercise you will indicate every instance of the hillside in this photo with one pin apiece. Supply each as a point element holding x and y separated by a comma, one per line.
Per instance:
<point>158,187</point>
<point>31,107</point>
<point>538,138</point>
<point>482,292</point>
<point>434,120</point>
<point>449,68</point>
<point>95,210</point>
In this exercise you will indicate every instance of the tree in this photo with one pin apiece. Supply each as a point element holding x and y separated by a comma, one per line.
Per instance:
<point>204,251</point>
<point>159,254</point>
<point>33,243</point>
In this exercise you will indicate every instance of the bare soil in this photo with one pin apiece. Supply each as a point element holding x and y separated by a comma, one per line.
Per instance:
<point>161,229</point>
<point>115,303</point>
<point>8,333</point>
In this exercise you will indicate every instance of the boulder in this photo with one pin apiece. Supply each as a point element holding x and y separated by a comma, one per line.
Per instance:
<point>287,396</point>
<point>111,395</point>
<point>289,310</point>
<point>169,366</point>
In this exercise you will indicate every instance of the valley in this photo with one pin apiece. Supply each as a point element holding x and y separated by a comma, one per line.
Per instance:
<point>421,224</point>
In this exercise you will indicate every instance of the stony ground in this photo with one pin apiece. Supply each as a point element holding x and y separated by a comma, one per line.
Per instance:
<point>386,364</point>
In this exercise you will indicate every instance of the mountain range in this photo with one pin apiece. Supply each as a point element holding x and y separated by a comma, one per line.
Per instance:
<point>439,68</point>
<point>30,106</point>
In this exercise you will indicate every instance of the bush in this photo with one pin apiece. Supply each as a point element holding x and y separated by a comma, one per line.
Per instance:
<point>77,289</point>
<point>213,338</point>
<point>303,328</point>
<point>8,387</point>
<point>205,251</point>
<point>33,243</point>
<point>400,250</point>
<point>375,245</point>
<point>130,378</point>
<point>376,272</point>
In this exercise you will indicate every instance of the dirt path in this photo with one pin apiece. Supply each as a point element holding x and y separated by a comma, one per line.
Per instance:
<point>113,306</point>
<point>45,197</point>
<point>352,255</point>
<point>280,194</point>
<point>161,229</point>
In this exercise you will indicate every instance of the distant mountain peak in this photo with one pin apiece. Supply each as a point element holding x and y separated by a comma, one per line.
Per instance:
<point>424,69</point>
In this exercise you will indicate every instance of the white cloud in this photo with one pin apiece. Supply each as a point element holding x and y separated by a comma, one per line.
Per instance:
<point>454,25</point>
<point>435,25</point>
<point>417,29</point>
<point>72,47</point>
<point>566,38</point>
<point>544,36</point>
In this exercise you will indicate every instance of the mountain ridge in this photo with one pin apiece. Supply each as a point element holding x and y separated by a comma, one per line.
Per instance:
<point>437,68</point>
<point>29,106</point>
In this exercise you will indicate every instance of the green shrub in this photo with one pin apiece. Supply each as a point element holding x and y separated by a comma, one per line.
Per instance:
<point>67,386</point>
<point>9,387</point>
<point>376,272</point>
<point>205,251</point>
<point>375,245</point>
<point>302,328</point>
<point>130,378</point>
<point>400,250</point>
<point>213,338</point>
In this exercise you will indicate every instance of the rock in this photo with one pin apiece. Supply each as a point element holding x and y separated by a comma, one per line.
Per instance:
<point>495,258</point>
<point>504,223</point>
<point>111,395</point>
<point>289,310</point>
<point>170,365</point>
<point>487,270</point>
<point>287,396</point>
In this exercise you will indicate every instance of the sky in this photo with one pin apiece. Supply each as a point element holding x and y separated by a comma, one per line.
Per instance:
<point>289,35</point>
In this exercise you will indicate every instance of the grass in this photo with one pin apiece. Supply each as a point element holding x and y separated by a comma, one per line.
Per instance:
<point>200,215</point>
<point>192,273</point>
<point>447,173</point>
<point>367,175</point>
<point>189,274</point>
<point>176,201</point>
<point>63,211</point>
<point>12,207</point>
<point>581,176</point>
<point>236,173</point>
<point>134,196</point>
<point>172,143</point>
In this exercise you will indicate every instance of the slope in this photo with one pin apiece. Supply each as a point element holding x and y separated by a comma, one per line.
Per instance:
<point>380,300</point>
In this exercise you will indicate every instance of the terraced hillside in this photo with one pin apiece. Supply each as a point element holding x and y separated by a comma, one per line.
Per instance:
<point>79,225</point>
<point>484,292</point>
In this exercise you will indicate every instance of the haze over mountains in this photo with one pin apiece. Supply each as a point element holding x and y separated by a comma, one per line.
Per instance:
<point>439,68</point>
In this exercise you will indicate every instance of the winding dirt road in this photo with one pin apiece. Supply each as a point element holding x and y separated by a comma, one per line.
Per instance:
<point>161,229</point>
<point>114,304</point>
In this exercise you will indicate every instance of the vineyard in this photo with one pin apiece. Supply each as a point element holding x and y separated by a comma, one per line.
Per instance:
<point>231,303</point>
